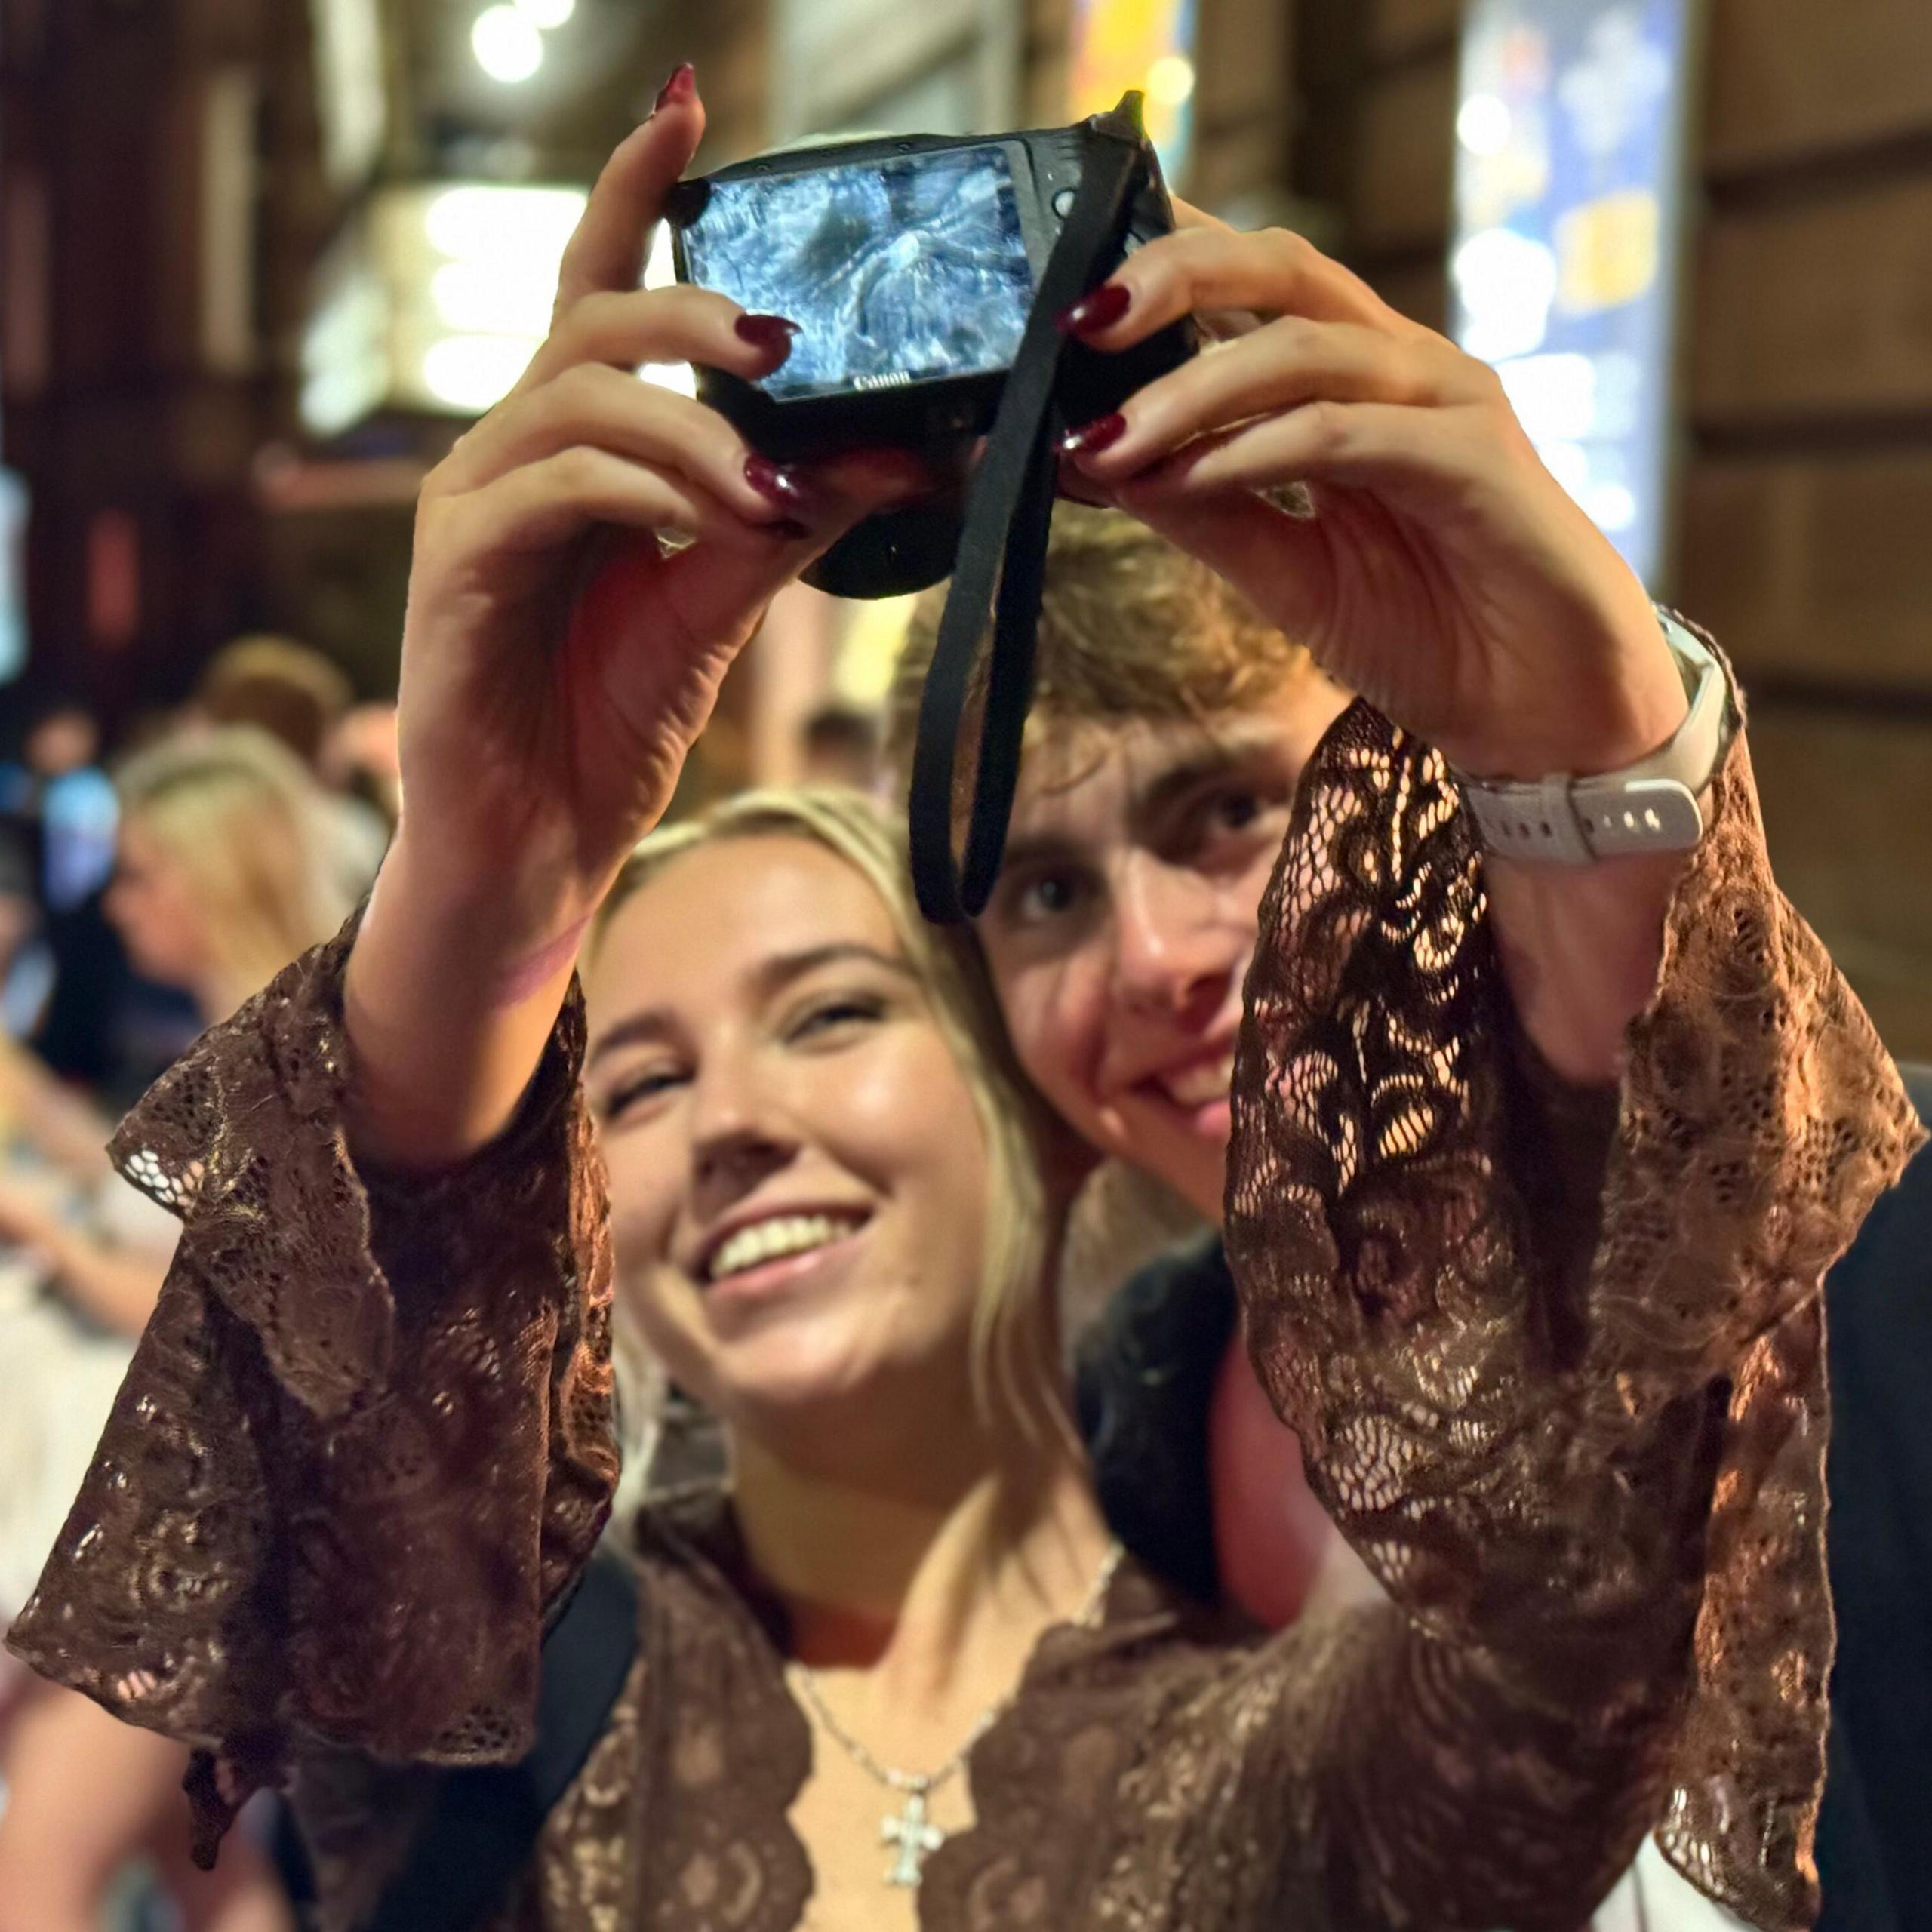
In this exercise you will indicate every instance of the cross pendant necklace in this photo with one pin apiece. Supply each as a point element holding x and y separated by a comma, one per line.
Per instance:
<point>916,1838</point>
<point>912,1832</point>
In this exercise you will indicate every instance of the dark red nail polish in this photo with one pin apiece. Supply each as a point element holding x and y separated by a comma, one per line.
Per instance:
<point>769,332</point>
<point>1102,433</point>
<point>1100,310</point>
<point>773,483</point>
<point>682,85</point>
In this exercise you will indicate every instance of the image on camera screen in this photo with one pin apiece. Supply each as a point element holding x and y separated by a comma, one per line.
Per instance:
<point>896,271</point>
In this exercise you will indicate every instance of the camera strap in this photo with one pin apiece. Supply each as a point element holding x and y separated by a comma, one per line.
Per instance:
<point>1001,562</point>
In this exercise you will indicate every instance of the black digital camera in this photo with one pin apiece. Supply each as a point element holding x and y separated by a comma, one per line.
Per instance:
<point>911,265</point>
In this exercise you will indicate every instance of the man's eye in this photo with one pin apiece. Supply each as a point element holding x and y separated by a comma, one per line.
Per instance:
<point>1235,811</point>
<point>1047,895</point>
<point>1230,814</point>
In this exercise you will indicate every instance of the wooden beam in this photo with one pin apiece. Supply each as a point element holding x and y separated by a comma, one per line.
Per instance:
<point>1398,29</point>
<point>1789,78</point>
<point>1815,570</point>
<point>1848,815</point>
<point>1817,309</point>
<point>1418,286</point>
<point>1404,159</point>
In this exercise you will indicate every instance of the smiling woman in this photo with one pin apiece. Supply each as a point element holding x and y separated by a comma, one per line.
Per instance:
<point>824,1162</point>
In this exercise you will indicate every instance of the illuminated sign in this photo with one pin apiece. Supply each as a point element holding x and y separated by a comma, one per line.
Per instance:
<point>434,299</point>
<point>1570,140</point>
<point>13,576</point>
<point>1145,43</point>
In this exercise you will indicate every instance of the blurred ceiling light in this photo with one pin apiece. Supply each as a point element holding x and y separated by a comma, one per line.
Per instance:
<point>491,298</point>
<point>546,14</point>
<point>1482,124</point>
<point>507,45</point>
<point>481,222</point>
<point>1610,507</point>
<point>474,372</point>
<point>1170,79</point>
<point>660,271</point>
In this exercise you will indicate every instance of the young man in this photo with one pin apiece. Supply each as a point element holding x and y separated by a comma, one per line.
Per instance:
<point>1173,725</point>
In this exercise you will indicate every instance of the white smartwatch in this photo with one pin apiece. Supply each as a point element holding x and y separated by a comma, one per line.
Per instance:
<point>1651,806</point>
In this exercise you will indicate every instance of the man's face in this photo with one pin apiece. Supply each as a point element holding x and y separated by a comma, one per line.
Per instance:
<point>1120,932</point>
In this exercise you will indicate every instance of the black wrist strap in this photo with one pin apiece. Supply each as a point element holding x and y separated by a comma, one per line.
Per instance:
<point>1002,564</point>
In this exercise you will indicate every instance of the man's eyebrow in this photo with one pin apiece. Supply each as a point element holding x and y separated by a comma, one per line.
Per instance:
<point>1036,848</point>
<point>1213,758</point>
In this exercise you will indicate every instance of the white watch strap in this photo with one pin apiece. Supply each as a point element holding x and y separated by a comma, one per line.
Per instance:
<point>1651,806</point>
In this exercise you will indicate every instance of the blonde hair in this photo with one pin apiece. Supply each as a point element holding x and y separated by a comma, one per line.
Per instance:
<point>239,816</point>
<point>1130,627</point>
<point>1015,1332</point>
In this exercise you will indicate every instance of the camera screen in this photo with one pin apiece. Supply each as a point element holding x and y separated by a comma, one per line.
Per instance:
<point>897,271</point>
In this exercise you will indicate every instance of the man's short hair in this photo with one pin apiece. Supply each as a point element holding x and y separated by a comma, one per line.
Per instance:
<point>1130,627</point>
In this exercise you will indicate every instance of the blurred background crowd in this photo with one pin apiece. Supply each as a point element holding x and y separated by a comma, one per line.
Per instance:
<point>260,262</point>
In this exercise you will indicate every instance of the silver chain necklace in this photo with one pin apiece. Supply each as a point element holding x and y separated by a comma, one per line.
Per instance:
<point>911,1830</point>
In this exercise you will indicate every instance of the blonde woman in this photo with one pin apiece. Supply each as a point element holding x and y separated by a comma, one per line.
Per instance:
<point>224,877</point>
<point>226,869</point>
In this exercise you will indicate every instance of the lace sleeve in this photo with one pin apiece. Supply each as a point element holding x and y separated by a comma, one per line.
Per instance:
<point>1556,1356</point>
<point>365,1439</point>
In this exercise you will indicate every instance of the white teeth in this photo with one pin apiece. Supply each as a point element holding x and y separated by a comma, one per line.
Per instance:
<point>1197,1086</point>
<point>783,1235</point>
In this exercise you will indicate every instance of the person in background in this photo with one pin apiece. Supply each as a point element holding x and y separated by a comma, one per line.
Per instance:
<point>301,697</point>
<point>59,810</point>
<point>289,689</point>
<point>224,875</point>
<point>361,761</point>
<point>839,744</point>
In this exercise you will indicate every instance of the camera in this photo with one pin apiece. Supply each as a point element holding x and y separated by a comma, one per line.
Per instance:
<point>910,264</point>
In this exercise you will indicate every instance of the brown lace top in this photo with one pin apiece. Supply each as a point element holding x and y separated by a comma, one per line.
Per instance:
<point>1556,1358</point>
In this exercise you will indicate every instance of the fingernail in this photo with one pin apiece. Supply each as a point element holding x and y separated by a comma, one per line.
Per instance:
<point>769,332</point>
<point>1100,310</point>
<point>1102,433</point>
<point>775,483</point>
<point>682,85</point>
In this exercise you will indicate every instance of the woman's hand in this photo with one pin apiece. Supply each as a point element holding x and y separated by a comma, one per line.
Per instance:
<point>589,559</point>
<point>560,655</point>
<point>1445,575</point>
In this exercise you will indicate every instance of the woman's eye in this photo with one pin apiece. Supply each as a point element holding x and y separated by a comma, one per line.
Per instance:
<point>639,1090</point>
<point>835,1016</point>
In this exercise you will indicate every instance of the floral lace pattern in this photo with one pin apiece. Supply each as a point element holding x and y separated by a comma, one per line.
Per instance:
<point>301,1424</point>
<point>1668,1356</point>
<point>1555,1357</point>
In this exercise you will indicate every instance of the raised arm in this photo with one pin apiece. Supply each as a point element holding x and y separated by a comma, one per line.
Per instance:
<point>1443,574</point>
<point>1555,1354</point>
<point>364,1443</point>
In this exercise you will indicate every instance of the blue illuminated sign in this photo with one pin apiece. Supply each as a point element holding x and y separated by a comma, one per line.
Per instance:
<point>1570,158</point>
